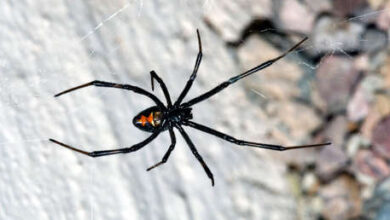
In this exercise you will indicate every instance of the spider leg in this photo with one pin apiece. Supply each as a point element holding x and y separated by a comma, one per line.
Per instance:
<point>196,154</point>
<point>153,75</point>
<point>166,156</point>
<point>246,143</point>
<point>118,86</point>
<point>194,72</point>
<point>234,79</point>
<point>110,152</point>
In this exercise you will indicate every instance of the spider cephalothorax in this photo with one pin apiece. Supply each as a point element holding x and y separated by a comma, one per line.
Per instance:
<point>160,117</point>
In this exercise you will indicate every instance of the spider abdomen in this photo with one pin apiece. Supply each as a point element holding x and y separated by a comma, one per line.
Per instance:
<point>149,119</point>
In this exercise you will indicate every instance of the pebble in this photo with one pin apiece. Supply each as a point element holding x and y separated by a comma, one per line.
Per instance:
<point>341,199</point>
<point>354,143</point>
<point>295,16</point>
<point>310,183</point>
<point>368,163</point>
<point>277,82</point>
<point>383,21</point>
<point>229,27</point>
<point>344,8</point>
<point>330,35</point>
<point>374,40</point>
<point>359,105</point>
<point>378,207</point>
<point>336,77</point>
<point>381,138</point>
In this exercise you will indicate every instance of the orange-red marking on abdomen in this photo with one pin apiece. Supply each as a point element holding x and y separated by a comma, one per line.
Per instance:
<point>143,120</point>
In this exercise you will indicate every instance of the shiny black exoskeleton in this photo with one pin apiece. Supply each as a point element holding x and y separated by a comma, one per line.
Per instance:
<point>162,117</point>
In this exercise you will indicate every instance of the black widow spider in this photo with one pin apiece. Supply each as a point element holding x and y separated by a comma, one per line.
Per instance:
<point>160,118</point>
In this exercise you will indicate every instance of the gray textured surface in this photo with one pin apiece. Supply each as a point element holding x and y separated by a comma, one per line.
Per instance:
<point>47,46</point>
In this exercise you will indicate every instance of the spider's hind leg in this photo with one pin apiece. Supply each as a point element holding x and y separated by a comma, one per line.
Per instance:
<point>247,143</point>
<point>168,153</point>
<point>196,154</point>
<point>101,153</point>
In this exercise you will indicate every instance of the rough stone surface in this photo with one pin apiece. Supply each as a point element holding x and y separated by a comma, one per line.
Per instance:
<point>374,40</point>
<point>278,82</point>
<point>381,138</point>
<point>378,206</point>
<point>341,199</point>
<point>49,46</point>
<point>359,105</point>
<point>333,159</point>
<point>335,78</point>
<point>319,6</point>
<point>345,8</point>
<point>220,17</point>
<point>383,20</point>
<point>371,164</point>
<point>334,36</point>
<point>296,16</point>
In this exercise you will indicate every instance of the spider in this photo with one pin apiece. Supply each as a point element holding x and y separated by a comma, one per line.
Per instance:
<point>160,117</point>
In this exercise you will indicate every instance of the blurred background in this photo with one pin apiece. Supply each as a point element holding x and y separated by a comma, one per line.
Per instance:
<point>335,87</point>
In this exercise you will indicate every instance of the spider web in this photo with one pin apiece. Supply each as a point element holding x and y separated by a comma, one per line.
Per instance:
<point>18,100</point>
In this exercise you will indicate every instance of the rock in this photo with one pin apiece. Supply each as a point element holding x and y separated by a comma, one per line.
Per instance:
<point>296,17</point>
<point>370,122</point>
<point>278,81</point>
<point>381,138</point>
<point>370,164</point>
<point>330,162</point>
<point>385,71</point>
<point>372,83</point>
<point>332,159</point>
<point>383,21</point>
<point>377,4</point>
<point>341,199</point>
<point>49,46</point>
<point>384,212</point>
<point>330,35</point>
<point>354,143</point>
<point>378,206</point>
<point>336,77</point>
<point>374,40</point>
<point>299,119</point>
<point>319,6</point>
<point>382,105</point>
<point>345,8</point>
<point>336,130</point>
<point>230,27</point>
<point>310,183</point>
<point>359,105</point>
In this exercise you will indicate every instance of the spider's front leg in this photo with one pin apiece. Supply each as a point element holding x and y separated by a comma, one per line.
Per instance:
<point>194,72</point>
<point>234,79</point>
<point>98,83</point>
<point>166,156</point>
<point>154,76</point>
